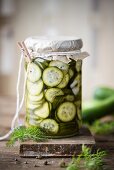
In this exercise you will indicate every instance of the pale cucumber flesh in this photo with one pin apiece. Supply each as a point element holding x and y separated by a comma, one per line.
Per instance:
<point>43,111</point>
<point>34,72</point>
<point>35,88</point>
<point>50,125</point>
<point>66,112</point>
<point>52,76</point>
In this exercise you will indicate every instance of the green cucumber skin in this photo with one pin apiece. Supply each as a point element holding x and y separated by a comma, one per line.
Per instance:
<point>103,93</point>
<point>97,109</point>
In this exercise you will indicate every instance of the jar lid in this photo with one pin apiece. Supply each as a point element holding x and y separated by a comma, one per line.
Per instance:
<point>53,44</point>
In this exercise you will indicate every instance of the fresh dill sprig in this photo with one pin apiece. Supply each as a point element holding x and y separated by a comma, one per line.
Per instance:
<point>102,128</point>
<point>23,134</point>
<point>87,161</point>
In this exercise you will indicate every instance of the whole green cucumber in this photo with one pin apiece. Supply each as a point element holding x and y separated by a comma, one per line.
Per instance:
<point>103,93</point>
<point>95,109</point>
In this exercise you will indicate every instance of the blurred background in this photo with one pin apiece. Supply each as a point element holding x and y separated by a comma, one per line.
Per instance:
<point>91,20</point>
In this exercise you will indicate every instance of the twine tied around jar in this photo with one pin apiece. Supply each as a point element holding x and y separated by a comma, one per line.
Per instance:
<point>24,53</point>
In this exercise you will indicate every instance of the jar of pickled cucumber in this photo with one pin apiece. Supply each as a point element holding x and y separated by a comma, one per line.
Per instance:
<point>53,87</point>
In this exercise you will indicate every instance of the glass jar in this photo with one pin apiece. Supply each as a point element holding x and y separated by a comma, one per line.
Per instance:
<point>53,88</point>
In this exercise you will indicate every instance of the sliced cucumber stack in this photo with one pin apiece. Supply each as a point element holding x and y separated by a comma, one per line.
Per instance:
<point>50,125</point>
<point>52,76</point>
<point>66,112</point>
<point>59,64</point>
<point>35,88</point>
<point>64,81</point>
<point>34,72</point>
<point>52,93</point>
<point>43,111</point>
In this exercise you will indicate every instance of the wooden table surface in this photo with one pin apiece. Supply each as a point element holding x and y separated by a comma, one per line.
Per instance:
<point>9,157</point>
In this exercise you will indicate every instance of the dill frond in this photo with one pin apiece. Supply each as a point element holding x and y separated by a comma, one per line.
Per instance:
<point>23,134</point>
<point>87,161</point>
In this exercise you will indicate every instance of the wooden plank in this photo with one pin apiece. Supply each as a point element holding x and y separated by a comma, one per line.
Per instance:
<point>10,160</point>
<point>58,147</point>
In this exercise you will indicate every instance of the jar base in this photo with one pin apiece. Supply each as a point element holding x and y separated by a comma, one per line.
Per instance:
<point>62,136</point>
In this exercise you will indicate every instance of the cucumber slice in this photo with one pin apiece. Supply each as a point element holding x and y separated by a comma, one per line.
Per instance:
<point>36,98</point>
<point>38,102</point>
<point>78,65</point>
<point>70,98</point>
<point>50,106</point>
<point>52,93</point>
<point>33,122</point>
<point>44,61</point>
<point>59,64</point>
<point>30,114</point>
<point>57,101</point>
<point>74,83</point>
<point>52,76</point>
<point>43,111</point>
<point>42,65</point>
<point>66,112</point>
<point>35,88</point>
<point>34,72</point>
<point>75,90</point>
<point>50,125</point>
<point>56,118</point>
<point>32,106</point>
<point>64,81</point>
<point>71,73</point>
<point>77,80</point>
